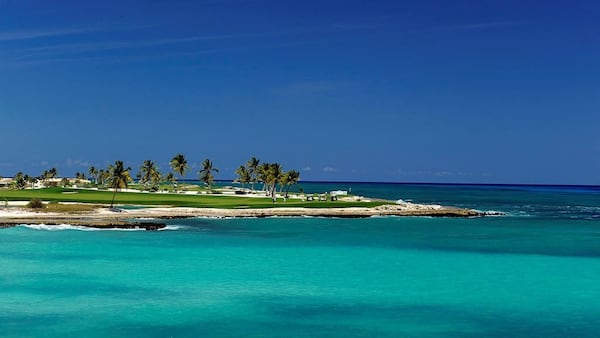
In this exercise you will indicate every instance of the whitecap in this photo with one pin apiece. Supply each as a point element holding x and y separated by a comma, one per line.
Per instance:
<point>60,227</point>
<point>173,227</point>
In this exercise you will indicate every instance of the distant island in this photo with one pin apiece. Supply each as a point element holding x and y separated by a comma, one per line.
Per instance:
<point>90,200</point>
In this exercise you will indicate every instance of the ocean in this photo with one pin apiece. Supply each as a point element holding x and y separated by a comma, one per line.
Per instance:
<point>534,272</point>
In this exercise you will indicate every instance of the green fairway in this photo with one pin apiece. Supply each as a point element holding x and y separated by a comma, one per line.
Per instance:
<point>177,200</point>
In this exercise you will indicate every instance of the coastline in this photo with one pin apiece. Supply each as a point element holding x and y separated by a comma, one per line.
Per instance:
<point>143,218</point>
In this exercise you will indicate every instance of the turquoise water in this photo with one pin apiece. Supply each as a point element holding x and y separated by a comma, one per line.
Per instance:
<point>532,273</point>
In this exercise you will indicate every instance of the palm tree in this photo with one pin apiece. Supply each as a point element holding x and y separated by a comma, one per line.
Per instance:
<point>273,176</point>
<point>261,175</point>
<point>179,165</point>
<point>93,172</point>
<point>252,168</point>
<point>102,176</point>
<point>171,179</point>
<point>31,180</point>
<point>289,179</point>
<point>118,178</point>
<point>52,173</point>
<point>243,175</point>
<point>79,176</point>
<point>47,175</point>
<point>206,174</point>
<point>44,177</point>
<point>149,174</point>
<point>20,181</point>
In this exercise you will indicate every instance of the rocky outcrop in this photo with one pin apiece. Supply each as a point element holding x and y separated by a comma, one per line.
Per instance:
<point>98,224</point>
<point>106,219</point>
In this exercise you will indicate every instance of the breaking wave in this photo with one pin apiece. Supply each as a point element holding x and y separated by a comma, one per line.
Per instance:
<point>61,227</point>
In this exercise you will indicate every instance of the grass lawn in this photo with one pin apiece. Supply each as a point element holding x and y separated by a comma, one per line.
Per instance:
<point>177,200</point>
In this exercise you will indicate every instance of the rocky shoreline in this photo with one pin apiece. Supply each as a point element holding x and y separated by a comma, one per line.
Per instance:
<point>89,223</point>
<point>138,218</point>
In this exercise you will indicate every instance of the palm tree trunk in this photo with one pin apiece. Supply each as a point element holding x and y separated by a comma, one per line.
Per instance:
<point>273,191</point>
<point>113,198</point>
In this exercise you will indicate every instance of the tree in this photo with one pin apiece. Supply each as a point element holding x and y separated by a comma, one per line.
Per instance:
<point>252,168</point>
<point>52,173</point>
<point>48,175</point>
<point>102,176</point>
<point>118,178</point>
<point>270,174</point>
<point>289,179</point>
<point>44,177</point>
<point>79,176</point>
<point>206,173</point>
<point>31,180</point>
<point>93,172</point>
<point>261,175</point>
<point>20,181</point>
<point>170,178</point>
<point>179,164</point>
<point>243,176</point>
<point>149,175</point>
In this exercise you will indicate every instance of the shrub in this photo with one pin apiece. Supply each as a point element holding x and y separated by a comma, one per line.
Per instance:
<point>35,203</point>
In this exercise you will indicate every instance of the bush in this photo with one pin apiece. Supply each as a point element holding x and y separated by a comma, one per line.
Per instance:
<point>35,203</point>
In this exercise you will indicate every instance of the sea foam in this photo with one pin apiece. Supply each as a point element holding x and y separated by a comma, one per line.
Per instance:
<point>60,227</point>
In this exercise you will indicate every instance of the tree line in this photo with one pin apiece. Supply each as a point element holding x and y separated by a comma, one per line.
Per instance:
<point>116,176</point>
<point>269,174</point>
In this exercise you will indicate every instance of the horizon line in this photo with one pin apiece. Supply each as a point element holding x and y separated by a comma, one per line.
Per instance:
<point>439,183</point>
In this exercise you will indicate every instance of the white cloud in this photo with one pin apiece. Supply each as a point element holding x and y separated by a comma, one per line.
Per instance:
<point>306,169</point>
<point>483,25</point>
<point>329,169</point>
<point>65,31</point>
<point>31,34</point>
<point>75,48</point>
<point>70,163</point>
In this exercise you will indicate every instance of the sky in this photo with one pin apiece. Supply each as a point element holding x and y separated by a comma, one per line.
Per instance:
<point>393,91</point>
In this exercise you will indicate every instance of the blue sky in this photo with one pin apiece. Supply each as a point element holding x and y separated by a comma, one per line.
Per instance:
<point>401,91</point>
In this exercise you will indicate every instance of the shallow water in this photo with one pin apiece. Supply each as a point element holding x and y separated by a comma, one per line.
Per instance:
<point>532,273</point>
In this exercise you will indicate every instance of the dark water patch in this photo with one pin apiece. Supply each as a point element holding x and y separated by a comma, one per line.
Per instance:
<point>32,256</point>
<point>301,308</point>
<point>234,327</point>
<point>19,324</point>
<point>407,321</point>
<point>427,319</point>
<point>62,285</point>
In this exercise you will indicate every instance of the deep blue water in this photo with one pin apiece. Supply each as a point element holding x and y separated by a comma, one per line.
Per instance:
<point>532,273</point>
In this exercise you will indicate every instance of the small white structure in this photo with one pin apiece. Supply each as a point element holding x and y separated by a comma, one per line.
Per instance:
<point>5,182</point>
<point>339,193</point>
